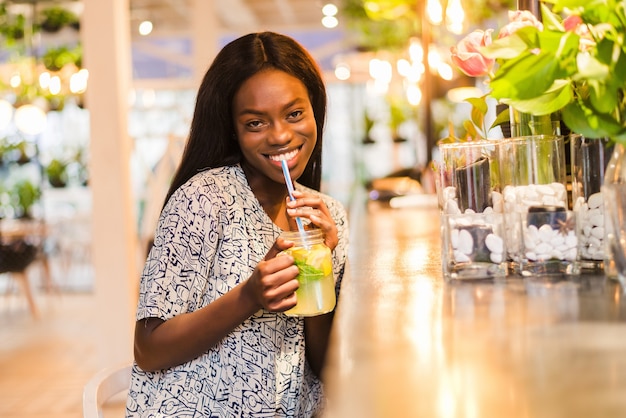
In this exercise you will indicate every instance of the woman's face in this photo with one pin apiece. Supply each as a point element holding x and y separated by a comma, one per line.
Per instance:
<point>274,121</point>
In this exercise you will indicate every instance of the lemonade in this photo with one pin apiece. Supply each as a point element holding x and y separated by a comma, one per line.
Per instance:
<point>316,293</point>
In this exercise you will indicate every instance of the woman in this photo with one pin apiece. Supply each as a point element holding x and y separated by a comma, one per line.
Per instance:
<point>211,338</point>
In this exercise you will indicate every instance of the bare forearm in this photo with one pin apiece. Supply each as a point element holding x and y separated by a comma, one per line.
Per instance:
<point>162,345</point>
<point>317,334</point>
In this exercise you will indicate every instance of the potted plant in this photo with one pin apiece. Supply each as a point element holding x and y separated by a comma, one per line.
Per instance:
<point>25,194</point>
<point>368,125</point>
<point>11,27</point>
<point>572,62</point>
<point>56,17</point>
<point>24,152</point>
<point>397,116</point>
<point>56,172</point>
<point>54,59</point>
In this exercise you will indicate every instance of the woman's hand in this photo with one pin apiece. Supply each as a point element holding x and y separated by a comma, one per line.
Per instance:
<point>163,344</point>
<point>273,282</point>
<point>313,208</point>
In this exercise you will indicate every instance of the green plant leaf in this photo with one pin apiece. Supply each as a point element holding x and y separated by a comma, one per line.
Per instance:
<point>585,121</point>
<point>602,97</point>
<point>502,117</point>
<point>479,103</point>
<point>590,68</point>
<point>479,110</point>
<point>525,77</point>
<point>554,99</point>
<point>551,21</point>
<point>505,48</point>
<point>472,131</point>
<point>560,5</point>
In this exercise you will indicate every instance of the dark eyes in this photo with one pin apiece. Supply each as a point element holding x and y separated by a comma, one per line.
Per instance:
<point>254,124</point>
<point>295,114</point>
<point>259,123</point>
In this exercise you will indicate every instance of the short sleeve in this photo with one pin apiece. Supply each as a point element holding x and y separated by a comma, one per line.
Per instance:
<point>175,276</point>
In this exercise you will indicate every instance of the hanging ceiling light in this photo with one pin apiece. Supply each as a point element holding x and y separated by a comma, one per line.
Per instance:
<point>30,119</point>
<point>330,20</point>
<point>455,15</point>
<point>434,12</point>
<point>145,28</point>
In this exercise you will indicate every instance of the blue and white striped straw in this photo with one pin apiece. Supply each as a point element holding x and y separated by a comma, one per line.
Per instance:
<point>290,190</point>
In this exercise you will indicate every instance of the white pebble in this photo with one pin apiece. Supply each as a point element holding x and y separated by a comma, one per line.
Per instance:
<point>459,257</point>
<point>598,232</point>
<point>494,243</point>
<point>571,254</point>
<point>543,247</point>
<point>595,200</point>
<point>571,240</point>
<point>451,207</point>
<point>595,242</point>
<point>578,204</point>
<point>597,220</point>
<point>466,242</point>
<point>454,238</point>
<point>546,233</point>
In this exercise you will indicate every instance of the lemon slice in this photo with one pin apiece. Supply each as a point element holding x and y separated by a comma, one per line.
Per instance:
<point>300,254</point>
<point>318,258</point>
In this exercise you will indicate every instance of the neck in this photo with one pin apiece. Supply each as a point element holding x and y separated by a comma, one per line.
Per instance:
<point>271,195</point>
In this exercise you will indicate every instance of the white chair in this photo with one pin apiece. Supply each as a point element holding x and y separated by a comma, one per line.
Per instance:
<point>102,386</point>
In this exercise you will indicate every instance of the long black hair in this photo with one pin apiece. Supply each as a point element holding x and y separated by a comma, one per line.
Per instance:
<point>212,139</point>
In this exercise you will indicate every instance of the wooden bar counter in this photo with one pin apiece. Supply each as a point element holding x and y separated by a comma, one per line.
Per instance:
<point>407,344</point>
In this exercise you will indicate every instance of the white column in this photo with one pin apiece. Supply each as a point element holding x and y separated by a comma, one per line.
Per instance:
<point>205,36</point>
<point>106,45</point>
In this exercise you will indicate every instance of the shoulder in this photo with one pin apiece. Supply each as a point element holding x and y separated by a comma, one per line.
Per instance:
<point>214,184</point>
<point>221,177</point>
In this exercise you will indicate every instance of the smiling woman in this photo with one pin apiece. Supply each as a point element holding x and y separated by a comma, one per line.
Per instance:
<point>214,292</point>
<point>274,121</point>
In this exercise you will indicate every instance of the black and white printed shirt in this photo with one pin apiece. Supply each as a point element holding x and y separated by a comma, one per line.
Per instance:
<point>211,235</point>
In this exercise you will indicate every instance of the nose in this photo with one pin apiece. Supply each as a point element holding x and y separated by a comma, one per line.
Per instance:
<point>280,133</point>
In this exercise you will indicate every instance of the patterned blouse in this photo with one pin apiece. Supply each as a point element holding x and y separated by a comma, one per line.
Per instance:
<point>211,235</point>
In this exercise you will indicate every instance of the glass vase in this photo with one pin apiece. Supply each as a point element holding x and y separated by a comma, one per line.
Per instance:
<point>533,178</point>
<point>589,160</point>
<point>468,177</point>
<point>614,196</point>
<point>470,203</point>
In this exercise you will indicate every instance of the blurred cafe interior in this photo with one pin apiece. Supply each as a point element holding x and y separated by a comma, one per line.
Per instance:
<point>96,99</point>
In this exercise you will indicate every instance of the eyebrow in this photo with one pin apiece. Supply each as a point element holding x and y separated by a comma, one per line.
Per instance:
<point>286,106</point>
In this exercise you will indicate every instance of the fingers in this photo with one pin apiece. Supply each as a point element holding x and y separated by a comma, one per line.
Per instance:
<point>313,208</point>
<point>308,206</point>
<point>280,244</point>
<point>275,283</point>
<point>306,203</point>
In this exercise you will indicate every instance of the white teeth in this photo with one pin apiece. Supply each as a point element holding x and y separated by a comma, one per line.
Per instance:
<point>287,156</point>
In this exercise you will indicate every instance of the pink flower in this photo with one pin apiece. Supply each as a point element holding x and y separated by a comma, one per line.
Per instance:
<point>517,20</point>
<point>466,54</point>
<point>571,23</point>
<point>575,24</point>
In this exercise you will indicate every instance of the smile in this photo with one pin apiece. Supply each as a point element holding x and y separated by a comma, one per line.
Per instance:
<point>286,156</point>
